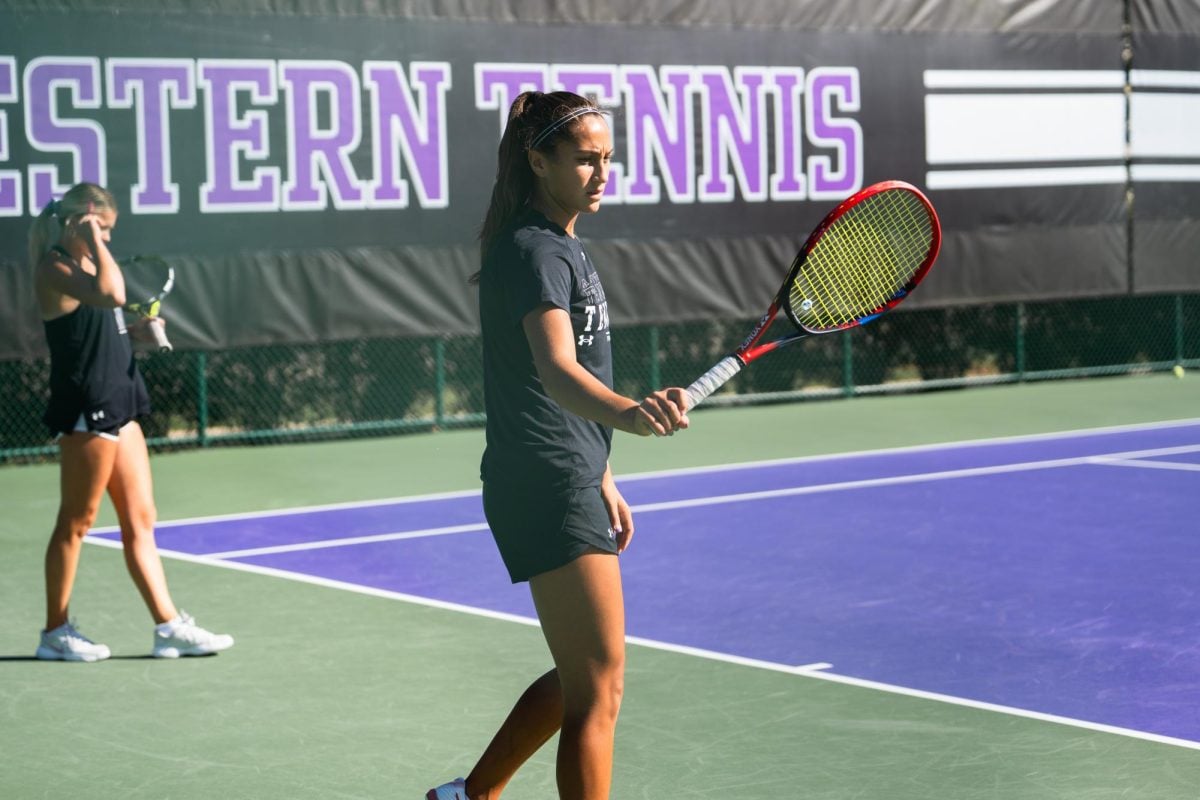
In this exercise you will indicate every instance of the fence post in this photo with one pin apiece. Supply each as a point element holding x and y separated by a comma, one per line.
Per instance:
<point>655,377</point>
<point>847,365</point>
<point>1178,329</point>
<point>1020,343</point>
<point>202,397</point>
<point>439,381</point>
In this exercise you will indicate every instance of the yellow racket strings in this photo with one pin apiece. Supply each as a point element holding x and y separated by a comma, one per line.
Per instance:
<point>865,257</point>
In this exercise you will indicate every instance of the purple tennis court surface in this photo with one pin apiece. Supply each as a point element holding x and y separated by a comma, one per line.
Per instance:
<point>1051,574</point>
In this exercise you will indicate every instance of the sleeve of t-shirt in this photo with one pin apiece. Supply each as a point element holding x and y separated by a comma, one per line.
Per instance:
<point>543,276</point>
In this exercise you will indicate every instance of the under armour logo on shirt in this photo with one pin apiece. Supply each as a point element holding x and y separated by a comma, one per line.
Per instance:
<point>586,340</point>
<point>97,415</point>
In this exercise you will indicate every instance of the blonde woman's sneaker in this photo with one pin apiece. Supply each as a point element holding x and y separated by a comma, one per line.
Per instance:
<point>456,790</point>
<point>183,637</point>
<point>64,643</point>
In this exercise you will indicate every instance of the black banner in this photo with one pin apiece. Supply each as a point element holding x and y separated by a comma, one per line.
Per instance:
<point>316,171</point>
<point>1165,145</point>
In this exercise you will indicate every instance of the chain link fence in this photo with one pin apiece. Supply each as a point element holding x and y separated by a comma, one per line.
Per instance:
<point>283,393</point>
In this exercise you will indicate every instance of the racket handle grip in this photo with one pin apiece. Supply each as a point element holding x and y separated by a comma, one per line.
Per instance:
<point>712,380</point>
<point>158,329</point>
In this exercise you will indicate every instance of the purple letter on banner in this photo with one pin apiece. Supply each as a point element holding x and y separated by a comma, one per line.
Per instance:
<point>598,81</point>
<point>230,136</point>
<point>735,131</point>
<point>319,157</point>
<point>416,130</point>
<point>843,135</point>
<point>593,81</point>
<point>497,85</point>
<point>10,179</point>
<point>160,85</point>
<point>46,131</point>
<point>652,128</point>
<point>787,182</point>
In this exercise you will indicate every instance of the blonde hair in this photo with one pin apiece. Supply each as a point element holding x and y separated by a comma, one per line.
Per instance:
<point>82,198</point>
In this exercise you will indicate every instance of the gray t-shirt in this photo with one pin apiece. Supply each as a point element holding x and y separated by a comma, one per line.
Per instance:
<point>530,438</point>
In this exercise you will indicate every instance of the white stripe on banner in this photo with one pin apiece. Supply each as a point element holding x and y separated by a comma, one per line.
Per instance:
<point>998,121</point>
<point>1024,79</point>
<point>1005,178</point>
<point>1165,124</point>
<point>983,128</point>
<point>1164,79</point>
<point>1166,173</point>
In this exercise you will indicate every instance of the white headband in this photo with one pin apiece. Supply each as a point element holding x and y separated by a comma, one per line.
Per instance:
<point>553,126</point>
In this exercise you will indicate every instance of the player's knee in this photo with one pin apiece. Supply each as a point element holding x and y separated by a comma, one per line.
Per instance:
<point>616,691</point>
<point>607,690</point>
<point>75,522</point>
<point>613,677</point>
<point>146,518</point>
<point>140,522</point>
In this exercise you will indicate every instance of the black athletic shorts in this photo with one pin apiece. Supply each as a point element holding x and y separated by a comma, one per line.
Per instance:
<point>539,529</point>
<point>103,410</point>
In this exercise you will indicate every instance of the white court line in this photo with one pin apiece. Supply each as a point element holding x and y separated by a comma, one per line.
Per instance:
<point>321,544</point>
<point>766,494</point>
<point>1001,709</point>
<point>969,472</point>
<point>283,512</point>
<point>1135,462</point>
<point>668,473</point>
<point>919,448</point>
<point>818,670</point>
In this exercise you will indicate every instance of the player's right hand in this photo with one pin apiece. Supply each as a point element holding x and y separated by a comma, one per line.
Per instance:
<point>662,413</point>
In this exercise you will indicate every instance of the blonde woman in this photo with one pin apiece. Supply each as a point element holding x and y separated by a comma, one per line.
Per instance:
<point>96,396</point>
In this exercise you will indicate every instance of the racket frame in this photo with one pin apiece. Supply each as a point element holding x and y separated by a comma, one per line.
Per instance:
<point>752,348</point>
<point>148,308</point>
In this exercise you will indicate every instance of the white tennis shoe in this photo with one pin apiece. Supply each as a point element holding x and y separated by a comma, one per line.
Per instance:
<point>183,637</point>
<point>64,643</point>
<point>456,790</point>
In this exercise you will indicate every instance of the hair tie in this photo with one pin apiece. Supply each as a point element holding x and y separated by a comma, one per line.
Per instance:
<point>558,123</point>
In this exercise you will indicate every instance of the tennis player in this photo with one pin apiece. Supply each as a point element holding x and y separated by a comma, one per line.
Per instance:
<point>96,395</point>
<point>548,493</point>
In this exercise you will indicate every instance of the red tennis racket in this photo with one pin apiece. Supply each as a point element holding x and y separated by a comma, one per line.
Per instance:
<point>864,258</point>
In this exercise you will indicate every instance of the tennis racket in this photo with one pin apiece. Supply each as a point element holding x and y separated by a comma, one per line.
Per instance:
<point>152,278</point>
<point>864,258</point>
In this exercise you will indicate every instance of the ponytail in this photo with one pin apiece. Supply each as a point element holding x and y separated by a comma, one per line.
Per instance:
<point>44,232</point>
<point>536,121</point>
<point>82,198</point>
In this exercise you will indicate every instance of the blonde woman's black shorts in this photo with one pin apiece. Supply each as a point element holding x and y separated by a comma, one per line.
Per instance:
<point>538,529</point>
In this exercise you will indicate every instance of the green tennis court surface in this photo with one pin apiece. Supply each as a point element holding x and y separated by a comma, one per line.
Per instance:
<point>339,694</point>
